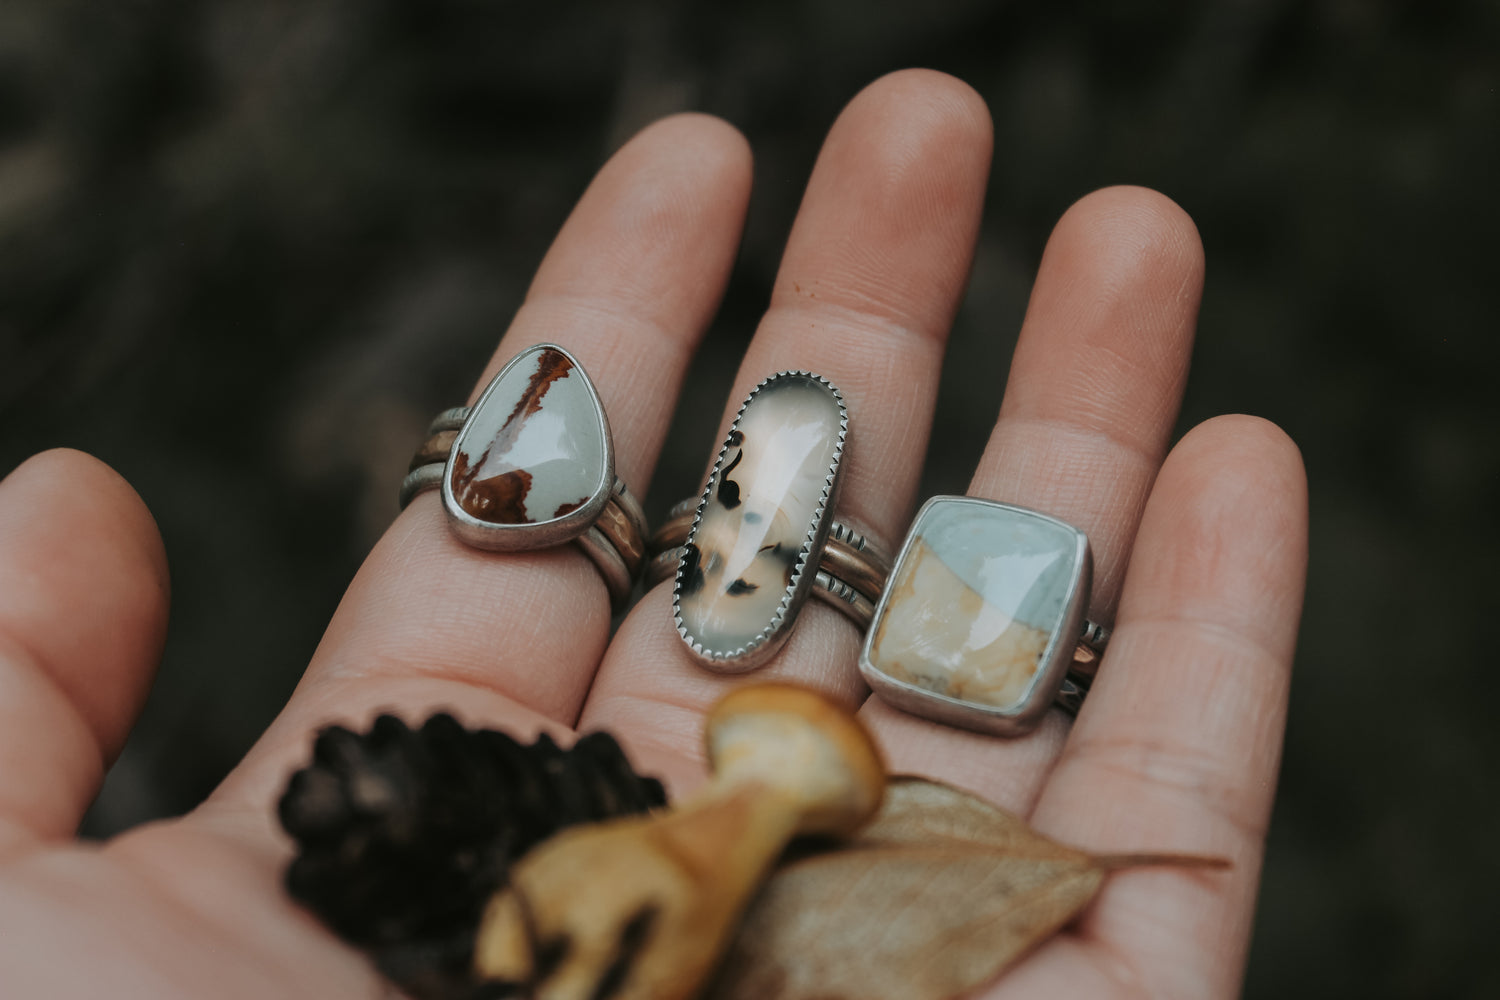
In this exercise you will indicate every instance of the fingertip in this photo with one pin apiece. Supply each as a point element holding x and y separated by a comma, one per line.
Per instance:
<point>1109,330</point>
<point>716,146</point>
<point>652,240</point>
<point>891,214</point>
<point>90,584</point>
<point>689,177</point>
<point>78,485</point>
<point>953,103</point>
<point>1137,234</point>
<point>916,131</point>
<point>1239,446</point>
<point>684,176</point>
<point>1227,527</point>
<point>1242,467</point>
<point>1126,265</point>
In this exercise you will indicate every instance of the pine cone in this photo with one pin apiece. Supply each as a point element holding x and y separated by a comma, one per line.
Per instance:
<point>405,834</point>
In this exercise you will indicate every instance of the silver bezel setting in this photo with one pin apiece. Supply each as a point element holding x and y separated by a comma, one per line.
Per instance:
<point>1052,667</point>
<point>537,534</point>
<point>770,639</point>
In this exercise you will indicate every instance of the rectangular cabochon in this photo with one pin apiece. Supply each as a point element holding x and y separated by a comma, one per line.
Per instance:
<point>975,601</point>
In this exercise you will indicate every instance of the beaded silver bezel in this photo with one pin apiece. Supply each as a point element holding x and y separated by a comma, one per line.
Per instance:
<point>769,640</point>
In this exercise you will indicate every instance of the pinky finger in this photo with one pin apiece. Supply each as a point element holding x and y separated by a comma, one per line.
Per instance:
<point>1178,746</point>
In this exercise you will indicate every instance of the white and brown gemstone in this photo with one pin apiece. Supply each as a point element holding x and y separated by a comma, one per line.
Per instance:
<point>535,447</point>
<point>765,512</point>
<point>980,610</point>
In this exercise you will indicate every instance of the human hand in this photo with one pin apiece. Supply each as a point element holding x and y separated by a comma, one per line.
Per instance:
<point>1199,561</point>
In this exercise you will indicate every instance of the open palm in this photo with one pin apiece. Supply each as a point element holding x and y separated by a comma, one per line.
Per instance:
<point>1199,561</point>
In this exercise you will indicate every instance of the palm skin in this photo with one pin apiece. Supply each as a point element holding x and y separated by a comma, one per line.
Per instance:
<point>1199,560</point>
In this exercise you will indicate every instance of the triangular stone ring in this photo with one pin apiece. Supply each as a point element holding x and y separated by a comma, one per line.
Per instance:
<point>531,465</point>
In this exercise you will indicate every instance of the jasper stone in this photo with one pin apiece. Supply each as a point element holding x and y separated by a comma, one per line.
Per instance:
<point>981,604</point>
<point>535,446</point>
<point>765,511</point>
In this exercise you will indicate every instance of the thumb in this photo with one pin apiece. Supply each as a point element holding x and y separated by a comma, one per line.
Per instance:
<point>83,612</point>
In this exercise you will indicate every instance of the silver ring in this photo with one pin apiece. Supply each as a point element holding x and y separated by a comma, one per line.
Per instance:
<point>531,465</point>
<point>981,623</point>
<point>755,546</point>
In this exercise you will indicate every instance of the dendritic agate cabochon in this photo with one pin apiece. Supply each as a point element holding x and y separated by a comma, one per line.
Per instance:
<point>533,450</point>
<point>764,503</point>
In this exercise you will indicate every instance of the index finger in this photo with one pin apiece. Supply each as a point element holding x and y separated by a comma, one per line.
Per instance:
<point>514,638</point>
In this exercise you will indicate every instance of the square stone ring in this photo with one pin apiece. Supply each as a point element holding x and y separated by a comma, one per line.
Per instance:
<point>981,624</point>
<point>531,465</point>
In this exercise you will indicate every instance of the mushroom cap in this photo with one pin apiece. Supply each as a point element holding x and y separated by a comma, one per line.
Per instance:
<point>798,742</point>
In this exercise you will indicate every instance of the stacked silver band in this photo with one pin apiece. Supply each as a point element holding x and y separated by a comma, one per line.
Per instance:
<point>850,574</point>
<point>426,469</point>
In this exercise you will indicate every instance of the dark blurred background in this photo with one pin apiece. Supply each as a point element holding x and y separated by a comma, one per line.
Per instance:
<point>248,247</point>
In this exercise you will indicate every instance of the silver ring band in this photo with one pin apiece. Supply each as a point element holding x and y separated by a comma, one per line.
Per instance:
<point>833,591</point>
<point>849,555</point>
<point>1070,695</point>
<point>450,419</point>
<point>1092,639</point>
<point>419,480</point>
<point>850,575</point>
<point>619,552</point>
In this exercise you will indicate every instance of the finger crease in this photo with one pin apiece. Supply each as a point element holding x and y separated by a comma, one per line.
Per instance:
<point>1213,631</point>
<point>607,310</point>
<point>1148,456</point>
<point>484,679</point>
<point>866,322</point>
<point>1179,771</point>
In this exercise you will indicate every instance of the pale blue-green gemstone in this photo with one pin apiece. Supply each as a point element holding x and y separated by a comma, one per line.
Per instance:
<point>975,609</point>
<point>1022,565</point>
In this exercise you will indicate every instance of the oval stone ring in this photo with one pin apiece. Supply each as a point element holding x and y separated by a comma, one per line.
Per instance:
<point>758,542</point>
<point>531,465</point>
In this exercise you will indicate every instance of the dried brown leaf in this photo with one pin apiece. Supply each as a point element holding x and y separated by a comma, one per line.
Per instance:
<point>938,895</point>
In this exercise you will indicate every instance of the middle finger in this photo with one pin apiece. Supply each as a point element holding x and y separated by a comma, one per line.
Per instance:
<point>872,274</point>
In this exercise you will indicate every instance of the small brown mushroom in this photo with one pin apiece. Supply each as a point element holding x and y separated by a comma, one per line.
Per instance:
<point>640,909</point>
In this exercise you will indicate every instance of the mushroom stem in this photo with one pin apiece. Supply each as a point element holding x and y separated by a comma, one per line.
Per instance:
<point>641,909</point>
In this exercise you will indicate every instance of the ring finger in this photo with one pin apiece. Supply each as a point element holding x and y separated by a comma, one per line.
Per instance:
<point>1089,407</point>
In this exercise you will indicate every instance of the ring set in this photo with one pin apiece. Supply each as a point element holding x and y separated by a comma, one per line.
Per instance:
<point>978,622</point>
